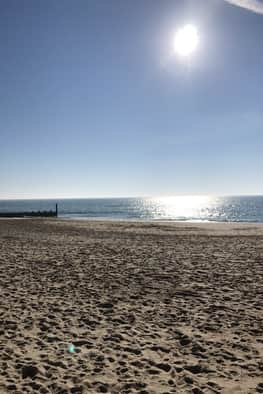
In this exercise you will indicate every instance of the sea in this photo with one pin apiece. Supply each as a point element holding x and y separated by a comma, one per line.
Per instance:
<point>172,208</point>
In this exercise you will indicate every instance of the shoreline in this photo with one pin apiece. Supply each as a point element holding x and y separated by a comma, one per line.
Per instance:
<point>136,220</point>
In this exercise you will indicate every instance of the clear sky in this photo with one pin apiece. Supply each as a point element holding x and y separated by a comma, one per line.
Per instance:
<point>93,103</point>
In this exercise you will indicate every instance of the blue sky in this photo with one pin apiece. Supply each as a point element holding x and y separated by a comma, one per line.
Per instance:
<point>93,103</point>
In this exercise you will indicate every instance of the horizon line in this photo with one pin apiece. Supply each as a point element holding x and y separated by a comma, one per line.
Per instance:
<point>126,197</point>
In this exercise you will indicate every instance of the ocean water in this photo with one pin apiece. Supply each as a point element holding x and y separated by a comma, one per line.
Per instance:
<point>181,208</point>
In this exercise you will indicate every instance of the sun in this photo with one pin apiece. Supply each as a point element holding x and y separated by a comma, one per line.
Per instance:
<point>186,40</point>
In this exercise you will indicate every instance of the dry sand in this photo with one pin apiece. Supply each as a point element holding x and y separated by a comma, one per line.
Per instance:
<point>149,308</point>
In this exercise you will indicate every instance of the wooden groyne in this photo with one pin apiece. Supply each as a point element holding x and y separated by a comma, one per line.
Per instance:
<point>34,214</point>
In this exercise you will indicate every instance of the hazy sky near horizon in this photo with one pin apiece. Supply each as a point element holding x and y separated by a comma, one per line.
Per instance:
<point>93,103</point>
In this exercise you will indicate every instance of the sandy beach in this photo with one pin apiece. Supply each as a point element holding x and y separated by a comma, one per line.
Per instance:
<point>119,307</point>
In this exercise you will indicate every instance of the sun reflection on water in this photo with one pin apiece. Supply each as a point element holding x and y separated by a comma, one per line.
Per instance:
<point>181,206</point>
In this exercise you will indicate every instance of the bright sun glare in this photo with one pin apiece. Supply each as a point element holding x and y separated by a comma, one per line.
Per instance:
<point>186,40</point>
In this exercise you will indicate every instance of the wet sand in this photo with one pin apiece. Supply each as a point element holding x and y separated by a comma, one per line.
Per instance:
<point>107,307</point>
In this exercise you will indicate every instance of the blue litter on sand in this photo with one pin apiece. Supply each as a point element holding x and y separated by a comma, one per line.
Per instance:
<point>71,348</point>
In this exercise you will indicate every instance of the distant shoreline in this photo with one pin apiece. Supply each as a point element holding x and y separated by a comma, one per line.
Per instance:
<point>134,221</point>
